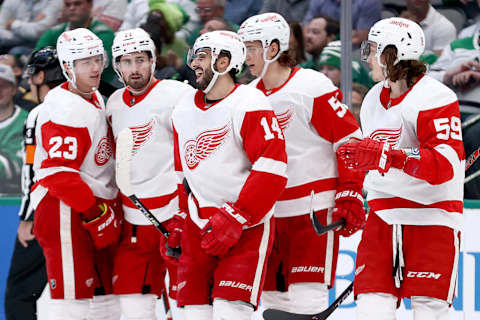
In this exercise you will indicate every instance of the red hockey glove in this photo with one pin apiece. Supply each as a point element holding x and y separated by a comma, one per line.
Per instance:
<point>223,230</point>
<point>175,228</point>
<point>349,205</point>
<point>105,228</point>
<point>369,154</point>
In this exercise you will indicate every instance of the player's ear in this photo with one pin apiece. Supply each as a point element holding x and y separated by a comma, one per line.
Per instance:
<point>222,63</point>
<point>272,50</point>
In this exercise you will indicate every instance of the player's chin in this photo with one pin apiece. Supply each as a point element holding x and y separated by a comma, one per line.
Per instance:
<point>253,70</point>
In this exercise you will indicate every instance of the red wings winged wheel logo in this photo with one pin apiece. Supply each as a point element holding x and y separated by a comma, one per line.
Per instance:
<point>203,145</point>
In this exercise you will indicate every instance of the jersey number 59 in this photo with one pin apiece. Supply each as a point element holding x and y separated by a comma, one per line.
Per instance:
<point>448,128</point>
<point>58,142</point>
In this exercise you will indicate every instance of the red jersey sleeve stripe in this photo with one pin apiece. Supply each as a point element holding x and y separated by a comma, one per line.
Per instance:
<point>71,189</point>
<point>264,145</point>
<point>331,118</point>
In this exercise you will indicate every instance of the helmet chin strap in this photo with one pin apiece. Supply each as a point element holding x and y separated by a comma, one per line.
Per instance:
<point>215,76</point>
<point>211,83</point>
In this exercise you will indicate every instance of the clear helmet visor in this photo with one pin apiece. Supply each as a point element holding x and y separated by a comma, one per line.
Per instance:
<point>367,48</point>
<point>197,56</point>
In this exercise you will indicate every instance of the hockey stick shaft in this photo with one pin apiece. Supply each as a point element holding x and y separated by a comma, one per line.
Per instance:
<point>273,314</point>
<point>122,172</point>
<point>319,228</point>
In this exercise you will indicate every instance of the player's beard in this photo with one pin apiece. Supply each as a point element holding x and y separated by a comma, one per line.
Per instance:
<point>140,83</point>
<point>205,80</point>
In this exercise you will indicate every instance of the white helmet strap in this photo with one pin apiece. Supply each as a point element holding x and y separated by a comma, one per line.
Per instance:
<point>215,75</point>
<point>268,61</point>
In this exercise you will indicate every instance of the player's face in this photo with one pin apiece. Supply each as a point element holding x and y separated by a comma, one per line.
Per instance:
<point>332,73</point>
<point>316,36</point>
<point>136,69</point>
<point>255,57</point>
<point>88,72</point>
<point>77,11</point>
<point>201,65</point>
<point>377,70</point>
<point>7,92</point>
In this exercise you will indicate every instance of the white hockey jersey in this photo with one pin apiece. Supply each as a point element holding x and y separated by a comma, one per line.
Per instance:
<point>153,176</point>
<point>232,150</point>
<point>429,190</point>
<point>315,123</point>
<point>74,154</point>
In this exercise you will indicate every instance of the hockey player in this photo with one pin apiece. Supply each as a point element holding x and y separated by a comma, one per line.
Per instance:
<point>315,123</point>
<point>145,106</point>
<point>75,191</point>
<point>27,276</point>
<point>232,151</point>
<point>413,149</point>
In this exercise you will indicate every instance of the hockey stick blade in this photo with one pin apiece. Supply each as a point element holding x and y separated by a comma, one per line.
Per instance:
<point>273,314</point>
<point>321,229</point>
<point>122,176</point>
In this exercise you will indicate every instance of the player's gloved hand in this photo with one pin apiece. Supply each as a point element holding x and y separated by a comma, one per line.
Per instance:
<point>105,228</point>
<point>369,154</point>
<point>349,206</point>
<point>223,230</point>
<point>175,228</point>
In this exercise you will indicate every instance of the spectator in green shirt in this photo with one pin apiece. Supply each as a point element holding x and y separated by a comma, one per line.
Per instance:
<point>207,10</point>
<point>12,118</point>
<point>79,15</point>
<point>329,63</point>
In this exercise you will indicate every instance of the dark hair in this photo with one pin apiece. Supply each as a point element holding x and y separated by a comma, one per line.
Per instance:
<point>409,70</point>
<point>299,51</point>
<point>286,58</point>
<point>157,23</point>
<point>332,26</point>
<point>226,25</point>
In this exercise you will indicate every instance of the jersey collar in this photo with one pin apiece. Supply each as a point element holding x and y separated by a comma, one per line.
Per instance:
<point>203,105</point>
<point>261,85</point>
<point>131,100</point>
<point>93,100</point>
<point>388,102</point>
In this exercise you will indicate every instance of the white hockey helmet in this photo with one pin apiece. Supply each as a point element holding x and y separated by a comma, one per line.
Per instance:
<point>220,41</point>
<point>78,44</point>
<point>266,28</point>
<point>130,41</point>
<point>406,35</point>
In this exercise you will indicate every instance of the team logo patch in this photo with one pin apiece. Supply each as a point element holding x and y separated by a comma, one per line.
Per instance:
<point>359,269</point>
<point>141,135</point>
<point>203,145</point>
<point>181,285</point>
<point>53,284</point>
<point>284,118</point>
<point>89,282</point>
<point>390,136</point>
<point>104,150</point>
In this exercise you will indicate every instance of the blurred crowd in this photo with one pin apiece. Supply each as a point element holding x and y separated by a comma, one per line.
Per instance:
<point>452,30</point>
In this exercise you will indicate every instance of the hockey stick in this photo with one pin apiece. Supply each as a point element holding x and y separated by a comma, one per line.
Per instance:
<point>273,314</point>
<point>122,175</point>
<point>319,228</point>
